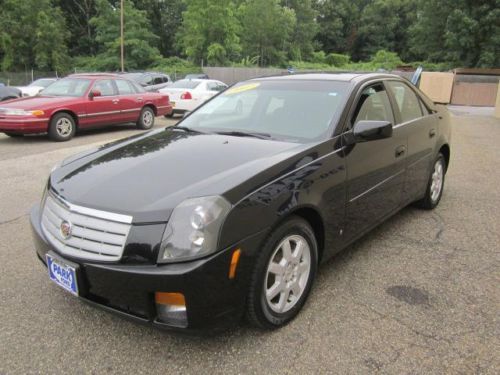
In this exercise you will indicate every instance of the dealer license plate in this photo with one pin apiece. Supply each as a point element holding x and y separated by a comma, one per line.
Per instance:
<point>62,274</point>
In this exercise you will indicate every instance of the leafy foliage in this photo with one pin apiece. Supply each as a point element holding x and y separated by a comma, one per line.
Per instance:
<point>328,34</point>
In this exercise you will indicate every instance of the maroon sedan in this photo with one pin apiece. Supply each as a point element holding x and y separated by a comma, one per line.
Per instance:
<point>82,101</point>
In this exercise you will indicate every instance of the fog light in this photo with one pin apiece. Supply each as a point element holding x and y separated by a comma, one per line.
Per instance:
<point>171,309</point>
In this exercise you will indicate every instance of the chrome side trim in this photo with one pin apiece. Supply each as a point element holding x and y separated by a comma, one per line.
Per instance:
<point>119,218</point>
<point>376,186</point>
<point>7,120</point>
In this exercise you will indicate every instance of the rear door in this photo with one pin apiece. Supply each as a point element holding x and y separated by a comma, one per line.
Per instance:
<point>375,169</point>
<point>103,109</point>
<point>131,101</point>
<point>420,125</point>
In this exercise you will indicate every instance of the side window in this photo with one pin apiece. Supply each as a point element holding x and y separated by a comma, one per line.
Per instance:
<point>157,80</point>
<point>211,86</point>
<point>105,86</point>
<point>165,79</point>
<point>124,87</point>
<point>373,104</point>
<point>147,80</point>
<point>407,101</point>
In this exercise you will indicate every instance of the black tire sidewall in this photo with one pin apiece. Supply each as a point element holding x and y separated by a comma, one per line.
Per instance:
<point>54,135</point>
<point>265,316</point>
<point>140,123</point>
<point>427,202</point>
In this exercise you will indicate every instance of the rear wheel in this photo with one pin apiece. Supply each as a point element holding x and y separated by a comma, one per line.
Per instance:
<point>62,127</point>
<point>435,185</point>
<point>283,275</point>
<point>146,119</point>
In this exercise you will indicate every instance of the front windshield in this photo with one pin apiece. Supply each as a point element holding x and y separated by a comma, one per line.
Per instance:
<point>291,110</point>
<point>67,87</point>
<point>43,82</point>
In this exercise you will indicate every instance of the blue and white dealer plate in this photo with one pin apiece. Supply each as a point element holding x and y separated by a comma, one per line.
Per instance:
<point>62,274</point>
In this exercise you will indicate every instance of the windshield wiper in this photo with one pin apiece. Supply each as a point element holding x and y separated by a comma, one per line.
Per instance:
<point>185,128</point>
<point>237,133</point>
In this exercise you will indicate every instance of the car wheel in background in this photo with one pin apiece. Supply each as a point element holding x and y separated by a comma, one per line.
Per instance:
<point>146,119</point>
<point>171,115</point>
<point>435,185</point>
<point>14,135</point>
<point>62,127</point>
<point>283,275</point>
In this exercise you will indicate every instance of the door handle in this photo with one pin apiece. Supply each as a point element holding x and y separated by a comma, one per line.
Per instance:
<point>400,151</point>
<point>432,133</point>
<point>115,101</point>
<point>140,99</point>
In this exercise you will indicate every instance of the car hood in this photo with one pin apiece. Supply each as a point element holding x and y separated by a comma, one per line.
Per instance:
<point>38,102</point>
<point>149,176</point>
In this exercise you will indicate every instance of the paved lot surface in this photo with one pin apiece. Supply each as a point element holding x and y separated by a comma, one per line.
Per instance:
<point>418,295</point>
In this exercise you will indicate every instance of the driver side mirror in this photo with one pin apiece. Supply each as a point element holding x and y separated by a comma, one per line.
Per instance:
<point>368,130</point>
<point>94,93</point>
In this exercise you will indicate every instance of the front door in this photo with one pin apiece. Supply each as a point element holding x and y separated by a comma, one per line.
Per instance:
<point>103,109</point>
<point>375,169</point>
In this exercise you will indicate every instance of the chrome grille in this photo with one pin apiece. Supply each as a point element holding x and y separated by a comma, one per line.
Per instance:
<point>95,235</point>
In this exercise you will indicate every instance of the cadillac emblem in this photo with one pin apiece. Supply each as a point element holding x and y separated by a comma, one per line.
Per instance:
<point>65,229</point>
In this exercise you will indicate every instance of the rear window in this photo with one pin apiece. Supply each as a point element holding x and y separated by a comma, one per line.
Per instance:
<point>185,84</point>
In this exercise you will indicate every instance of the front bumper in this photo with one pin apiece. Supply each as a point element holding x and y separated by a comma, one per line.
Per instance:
<point>212,299</point>
<point>23,125</point>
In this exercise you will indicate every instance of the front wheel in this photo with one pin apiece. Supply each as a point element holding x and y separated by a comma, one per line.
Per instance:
<point>435,185</point>
<point>283,275</point>
<point>146,119</point>
<point>62,127</point>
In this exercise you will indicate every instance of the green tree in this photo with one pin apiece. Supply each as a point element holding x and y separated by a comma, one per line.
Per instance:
<point>210,25</point>
<point>78,14</point>
<point>464,32</point>
<point>338,23</point>
<point>33,34</point>
<point>166,18</point>
<point>139,40</point>
<point>306,28</point>
<point>267,30</point>
<point>384,25</point>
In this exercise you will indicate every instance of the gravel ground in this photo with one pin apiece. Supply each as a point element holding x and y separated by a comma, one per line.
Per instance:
<point>420,294</point>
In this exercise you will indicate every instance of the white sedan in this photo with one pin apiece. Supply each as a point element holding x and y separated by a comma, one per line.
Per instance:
<point>36,86</point>
<point>187,94</point>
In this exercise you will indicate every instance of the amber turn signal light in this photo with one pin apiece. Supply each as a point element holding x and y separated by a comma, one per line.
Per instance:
<point>173,299</point>
<point>234,263</point>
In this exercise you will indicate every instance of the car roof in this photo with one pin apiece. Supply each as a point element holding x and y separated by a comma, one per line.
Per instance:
<point>94,75</point>
<point>354,77</point>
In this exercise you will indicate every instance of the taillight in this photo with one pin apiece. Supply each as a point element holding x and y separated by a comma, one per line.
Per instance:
<point>186,95</point>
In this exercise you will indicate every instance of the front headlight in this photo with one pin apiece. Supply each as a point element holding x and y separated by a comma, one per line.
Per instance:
<point>193,229</point>
<point>22,112</point>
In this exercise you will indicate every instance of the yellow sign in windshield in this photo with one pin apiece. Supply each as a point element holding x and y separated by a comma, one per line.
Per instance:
<point>242,88</point>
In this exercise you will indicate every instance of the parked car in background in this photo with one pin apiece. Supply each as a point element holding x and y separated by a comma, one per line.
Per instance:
<point>151,81</point>
<point>187,94</point>
<point>196,76</point>
<point>83,101</point>
<point>8,93</point>
<point>36,86</point>
<point>230,212</point>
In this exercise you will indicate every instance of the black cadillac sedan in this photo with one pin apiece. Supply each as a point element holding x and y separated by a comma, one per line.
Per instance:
<point>229,213</point>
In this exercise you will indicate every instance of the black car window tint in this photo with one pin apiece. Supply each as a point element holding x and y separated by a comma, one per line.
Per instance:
<point>373,104</point>
<point>406,100</point>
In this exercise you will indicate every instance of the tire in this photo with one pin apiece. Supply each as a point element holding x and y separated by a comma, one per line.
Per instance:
<point>62,127</point>
<point>272,301</point>
<point>171,115</point>
<point>435,186</point>
<point>15,135</point>
<point>146,119</point>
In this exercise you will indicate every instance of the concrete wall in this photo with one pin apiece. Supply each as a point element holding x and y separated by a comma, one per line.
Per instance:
<point>232,75</point>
